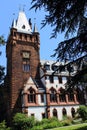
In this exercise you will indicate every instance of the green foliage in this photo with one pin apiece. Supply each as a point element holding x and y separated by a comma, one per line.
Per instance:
<point>82,111</point>
<point>39,127</point>
<point>66,121</point>
<point>63,15</point>
<point>47,124</point>
<point>69,17</point>
<point>21,121</point>
<point>2,40</point>
<point>77,121</point>
<point>3,126</point>
<point>2,75</point>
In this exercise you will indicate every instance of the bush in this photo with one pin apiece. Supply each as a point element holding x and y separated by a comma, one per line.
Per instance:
<point>82,111</point>
<point>37,128</point>
<point>46,124</point>
<point>22,122</point>
<point>52,124</point>
<point>77,121</point>
<point>66,122</point>
<point>3,126</point>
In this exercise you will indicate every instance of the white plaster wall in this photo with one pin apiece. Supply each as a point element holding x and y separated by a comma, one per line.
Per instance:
<point>37,111</point>
<point>56,83</point>
<point>60,108</point>
<point>39,100</point>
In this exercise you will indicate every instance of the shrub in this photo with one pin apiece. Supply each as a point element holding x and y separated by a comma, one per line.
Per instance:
<point>77,121</point>
<point>66,122</point>
<point>82,111</point>
<point>50,125</point>
<point>21,121</point>
<point>3,126</point>
<point>37,128</point>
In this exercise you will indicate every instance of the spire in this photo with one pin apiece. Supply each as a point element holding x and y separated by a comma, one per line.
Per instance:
<point>14,24</point>
<point>22,24</point>
<point>35,29</point>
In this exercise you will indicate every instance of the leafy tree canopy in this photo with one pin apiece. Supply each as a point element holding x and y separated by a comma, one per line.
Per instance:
<point>2,42</point>
<point>69,16</point>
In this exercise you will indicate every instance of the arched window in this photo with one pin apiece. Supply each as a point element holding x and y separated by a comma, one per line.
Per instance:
<point>31,96</point>
<point>64,112</point>
<point>62,95</point>
<point>73,112</point>
<point>70,95</point>
<point>55,113</point>
<point>80,95</point>
<point>53,95</point>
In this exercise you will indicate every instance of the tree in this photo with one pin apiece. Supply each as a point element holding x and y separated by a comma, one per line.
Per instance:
<point>70,17</point>
<point>82,111</point>
<point>2,76</point>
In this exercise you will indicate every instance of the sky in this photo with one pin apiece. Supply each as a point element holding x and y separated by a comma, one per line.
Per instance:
<point>9,10</point>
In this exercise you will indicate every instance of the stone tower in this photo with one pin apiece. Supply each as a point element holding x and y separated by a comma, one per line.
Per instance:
<point>23,60</point>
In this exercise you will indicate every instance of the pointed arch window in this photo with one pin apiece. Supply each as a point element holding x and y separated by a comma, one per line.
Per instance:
<point>32,96</point>
<point>73,112</point>
<point>55,113</point>
<point>70,95</point>
<point>62,95</point>
<point>53,95</point>
<point>64,112</point>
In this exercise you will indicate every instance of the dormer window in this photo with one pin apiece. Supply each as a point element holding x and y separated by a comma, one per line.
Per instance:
<point>23,26</point>
<point>47,67</point>
<point>54,67</point>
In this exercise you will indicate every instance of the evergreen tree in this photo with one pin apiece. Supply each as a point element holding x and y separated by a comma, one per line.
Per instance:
<point>70,17</point>
<point>2,92</point>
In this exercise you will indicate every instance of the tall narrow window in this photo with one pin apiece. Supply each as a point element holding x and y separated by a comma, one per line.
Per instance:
<point>62,95</point>
<point>26,61</point>
<point>71,97</point>
<point>54,112</point>
<point>51,78</point>
<point>43,115</point>
<point>64,112</point>
<point>31,96</point>
<point>42,98</point>
<point>73,112</point>
<point>60,79</point>
<point>53,96</point>
<point>26,66</point>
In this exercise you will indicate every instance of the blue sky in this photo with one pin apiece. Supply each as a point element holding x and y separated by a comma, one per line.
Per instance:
<point>10,7</point>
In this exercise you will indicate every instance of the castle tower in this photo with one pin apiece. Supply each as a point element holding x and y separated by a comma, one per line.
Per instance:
<point>23,60</point>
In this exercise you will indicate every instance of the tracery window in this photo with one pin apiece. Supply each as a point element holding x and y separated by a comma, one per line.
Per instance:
<point>32,96</point>
<point>71,97</point>
<point>62,95</point>
<point>53,95</point>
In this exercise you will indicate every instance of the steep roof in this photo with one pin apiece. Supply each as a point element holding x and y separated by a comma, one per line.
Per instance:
<point>22,24</point>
